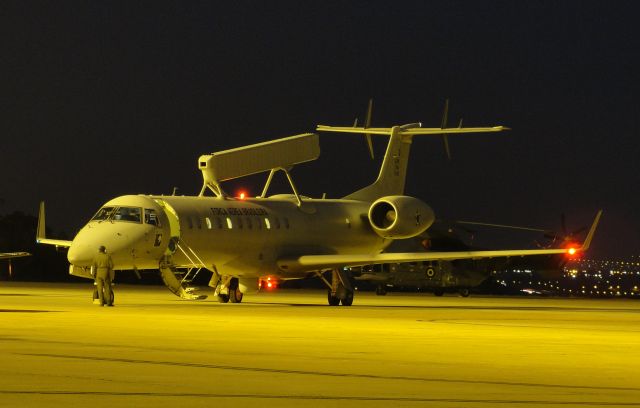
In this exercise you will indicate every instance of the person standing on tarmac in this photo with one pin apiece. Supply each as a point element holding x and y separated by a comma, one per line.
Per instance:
<point>102,271</point>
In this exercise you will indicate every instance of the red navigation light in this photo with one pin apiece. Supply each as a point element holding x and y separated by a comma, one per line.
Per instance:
<point>242,195</point>
<point>572,251</point>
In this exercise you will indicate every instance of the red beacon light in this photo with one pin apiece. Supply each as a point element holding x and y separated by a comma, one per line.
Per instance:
<point>242,195</point>
<point>572,251</point>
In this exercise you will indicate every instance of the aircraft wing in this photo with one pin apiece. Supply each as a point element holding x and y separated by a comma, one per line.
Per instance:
<point>324,262</point>
<point>56,242</point>
<point>9,255</point>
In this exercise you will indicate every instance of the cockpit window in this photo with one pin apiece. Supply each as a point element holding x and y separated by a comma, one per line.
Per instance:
<point>103,214</point>
<point>150,217</point>
<point>131,214</point>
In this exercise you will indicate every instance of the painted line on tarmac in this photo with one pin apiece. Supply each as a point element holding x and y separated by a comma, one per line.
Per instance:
<point>321,397</point>
<point>324,373</point>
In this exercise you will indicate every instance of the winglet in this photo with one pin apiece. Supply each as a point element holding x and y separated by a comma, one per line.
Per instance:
<point>592,231</point>
<point>41,233</point>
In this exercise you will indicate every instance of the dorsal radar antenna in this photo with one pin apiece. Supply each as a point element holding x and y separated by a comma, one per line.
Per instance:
<point>272,156</point>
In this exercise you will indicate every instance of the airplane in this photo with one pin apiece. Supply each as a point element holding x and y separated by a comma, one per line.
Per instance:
<point>458,275</point>
<point>12,255</point>
<point>284,236</point>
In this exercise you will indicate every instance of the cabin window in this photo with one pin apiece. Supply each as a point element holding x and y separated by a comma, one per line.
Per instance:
<point>208,221</point>
<point>229,223</point>
<point>267,223</point>
<point>103,214</point>
<point>249,223</point>
<point>286,222</point>
<point>130,214</point>
<point>150,217</point>
<point>190,222</point>
<point>239,220</point>
<point>198,223</point>
<point>218,222</point>
<point>276,222</point>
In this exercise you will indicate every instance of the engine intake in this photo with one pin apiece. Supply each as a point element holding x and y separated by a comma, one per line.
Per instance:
<point>398,217</point>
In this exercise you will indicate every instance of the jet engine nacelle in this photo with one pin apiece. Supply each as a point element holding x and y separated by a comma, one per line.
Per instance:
<point>397,217</point>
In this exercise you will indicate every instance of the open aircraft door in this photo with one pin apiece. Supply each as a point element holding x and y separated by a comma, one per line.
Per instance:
<point>174,280</point>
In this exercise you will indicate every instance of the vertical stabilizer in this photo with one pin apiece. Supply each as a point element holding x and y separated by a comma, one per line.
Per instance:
<point>393,172</point>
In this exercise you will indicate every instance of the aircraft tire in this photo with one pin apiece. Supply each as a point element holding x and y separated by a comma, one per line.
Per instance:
<point>223,298</point>
<point>235,296</point>
<point>348,299</point>
<point>333,300</point>
<point>380,290</point>
<point>438,292</point>
<point>465,292</point>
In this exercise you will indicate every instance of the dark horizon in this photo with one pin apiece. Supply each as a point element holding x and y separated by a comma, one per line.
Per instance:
<point>107,99</point>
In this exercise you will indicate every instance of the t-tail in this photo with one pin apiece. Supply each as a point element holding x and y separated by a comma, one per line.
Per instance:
<point>391,179</point>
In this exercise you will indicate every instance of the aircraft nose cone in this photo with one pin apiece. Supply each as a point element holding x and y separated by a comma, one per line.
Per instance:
<point>80,255</point>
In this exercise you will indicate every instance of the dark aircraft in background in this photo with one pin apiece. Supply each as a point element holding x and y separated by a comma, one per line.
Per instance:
<point>10,255</point>
<point>463,274</point>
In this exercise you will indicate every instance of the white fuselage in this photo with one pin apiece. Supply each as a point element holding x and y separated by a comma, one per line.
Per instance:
<point>242,238</point>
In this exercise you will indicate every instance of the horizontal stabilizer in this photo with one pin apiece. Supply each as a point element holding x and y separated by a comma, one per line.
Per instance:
<point>411,131</point>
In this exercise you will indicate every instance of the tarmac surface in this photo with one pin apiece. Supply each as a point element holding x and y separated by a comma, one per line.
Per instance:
<point>288,349</point>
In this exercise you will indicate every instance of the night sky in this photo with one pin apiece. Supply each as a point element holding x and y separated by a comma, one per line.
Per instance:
<point>100,99</point>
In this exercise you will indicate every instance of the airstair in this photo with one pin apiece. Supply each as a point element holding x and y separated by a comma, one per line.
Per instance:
<point>177,279</point>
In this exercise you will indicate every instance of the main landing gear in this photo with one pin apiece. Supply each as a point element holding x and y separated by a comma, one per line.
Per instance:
<point>231,286</point>
<point>340,288</point>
